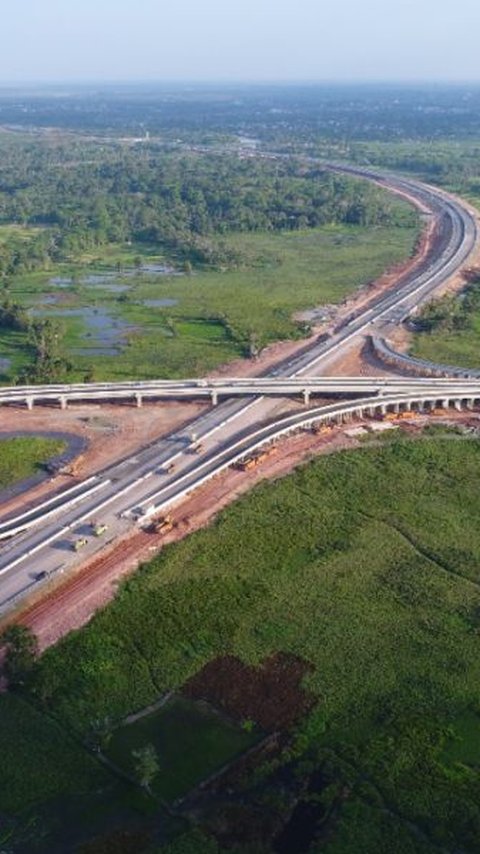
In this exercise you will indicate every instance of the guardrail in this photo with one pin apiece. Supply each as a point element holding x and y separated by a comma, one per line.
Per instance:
<point>389,356</point>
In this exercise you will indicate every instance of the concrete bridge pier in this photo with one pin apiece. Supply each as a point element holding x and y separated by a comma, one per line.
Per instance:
<point>63,402</point>
<point>458,405</point>
<point>214,397</point>
<point>306,396</point>
<point>139,400</point>
<point>29,402</point>
<point>445,403</point>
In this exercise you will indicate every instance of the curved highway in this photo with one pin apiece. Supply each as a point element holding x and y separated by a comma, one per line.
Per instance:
<point>145,482</point>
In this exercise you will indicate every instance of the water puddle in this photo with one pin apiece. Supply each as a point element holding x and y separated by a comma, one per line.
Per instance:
<point>104,332</point>
<point>49,299</point>
<point>107,280</point>
<point>159,303</point>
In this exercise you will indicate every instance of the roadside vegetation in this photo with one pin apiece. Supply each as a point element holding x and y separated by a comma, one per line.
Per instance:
<point>23,456</point>
<point>367,571</point>
<point>448,329</point>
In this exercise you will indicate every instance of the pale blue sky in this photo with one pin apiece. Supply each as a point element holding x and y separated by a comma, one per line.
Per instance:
<point>239,40</point>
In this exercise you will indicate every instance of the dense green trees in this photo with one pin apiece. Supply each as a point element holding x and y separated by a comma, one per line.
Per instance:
<point>82,195</point>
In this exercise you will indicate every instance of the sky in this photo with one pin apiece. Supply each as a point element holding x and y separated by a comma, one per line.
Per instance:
<point>239,40</point>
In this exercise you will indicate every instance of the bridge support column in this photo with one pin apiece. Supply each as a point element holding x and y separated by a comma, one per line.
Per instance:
<point>383,409</point>
<point>63,402</point>
<point>396,408</point>
<point>469,403</point>
<point>29,402</point>
<point>445,403</point>
<point>458,405</point>
<point>306,396</point>
<point>214,396</point>
<point>408,406</point>
<point>139,399</point>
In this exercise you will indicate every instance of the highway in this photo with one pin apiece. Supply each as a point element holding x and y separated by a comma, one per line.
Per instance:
<point>145,483</point>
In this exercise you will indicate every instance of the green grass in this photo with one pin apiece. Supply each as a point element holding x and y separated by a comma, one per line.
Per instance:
<point>24,456</point>
<point>55,794</point>
<point>366,564</point>
<point>283,273</point>
<point>460,348</point>
<point>191,743</point>
<point>463,742</point>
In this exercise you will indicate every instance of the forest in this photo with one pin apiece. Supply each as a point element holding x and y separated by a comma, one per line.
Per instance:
<point>82,194</point>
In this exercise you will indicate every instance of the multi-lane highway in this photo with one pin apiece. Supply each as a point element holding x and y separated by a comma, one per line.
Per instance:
<point>146,482</point>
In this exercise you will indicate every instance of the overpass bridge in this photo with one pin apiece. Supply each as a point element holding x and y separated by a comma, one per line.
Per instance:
<point>214,389</point>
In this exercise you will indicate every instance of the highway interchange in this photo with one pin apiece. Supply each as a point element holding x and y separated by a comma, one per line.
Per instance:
<point>160,475</point>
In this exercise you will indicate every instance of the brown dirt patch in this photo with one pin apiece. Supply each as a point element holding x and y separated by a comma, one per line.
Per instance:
<point>270,695</point>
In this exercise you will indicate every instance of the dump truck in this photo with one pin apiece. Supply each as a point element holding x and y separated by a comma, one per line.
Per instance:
<point>79,544</point>
<point>162,525</point>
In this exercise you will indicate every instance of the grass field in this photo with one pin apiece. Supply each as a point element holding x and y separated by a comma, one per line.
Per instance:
<point>210,317</point>
<point>22,457</point>
<point>451,348</point>
<point>365,564</point>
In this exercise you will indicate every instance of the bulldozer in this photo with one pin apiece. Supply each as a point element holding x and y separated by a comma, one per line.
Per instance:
<point>162,525</point>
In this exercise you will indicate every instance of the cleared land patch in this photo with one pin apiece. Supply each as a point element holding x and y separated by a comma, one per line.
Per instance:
<point>191,741</point>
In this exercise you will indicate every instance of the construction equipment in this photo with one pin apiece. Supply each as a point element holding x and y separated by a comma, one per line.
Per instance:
<point>71,469</point>
<point>255,459</point>
<point>98,529</point>
<point>79,544</point>
<point>162,525</point>
<point>320,429</point>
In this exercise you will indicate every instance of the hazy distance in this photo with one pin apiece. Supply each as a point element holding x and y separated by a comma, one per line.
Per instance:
<point>239,40</point>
